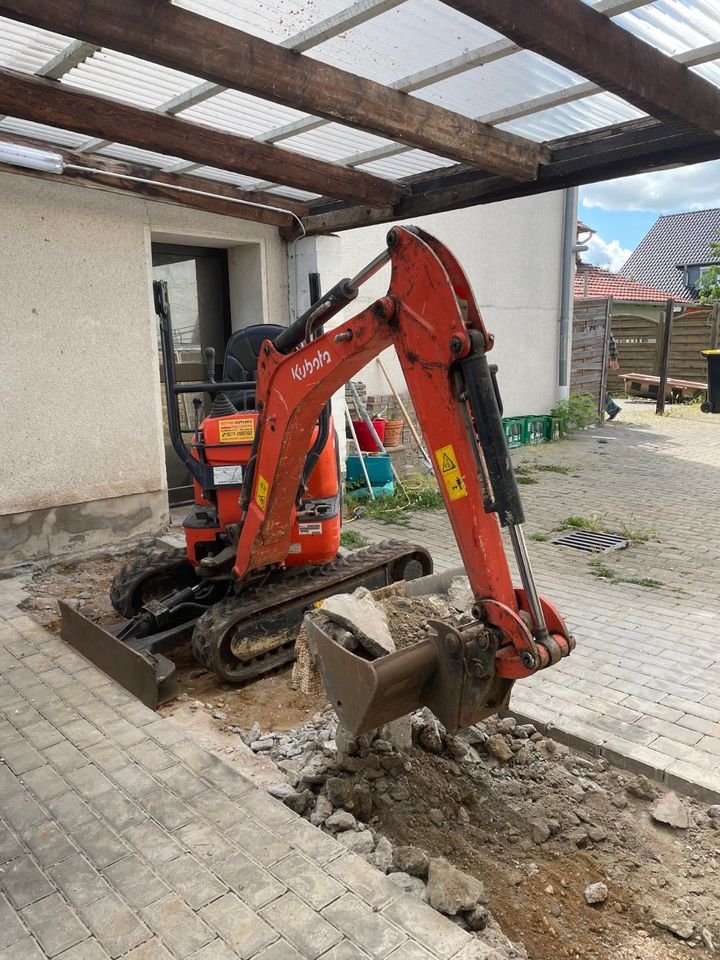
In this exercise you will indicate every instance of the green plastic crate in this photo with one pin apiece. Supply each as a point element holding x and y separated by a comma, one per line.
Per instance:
<point>554,430</point>
<point>535,430</point>
<point>514,428</point>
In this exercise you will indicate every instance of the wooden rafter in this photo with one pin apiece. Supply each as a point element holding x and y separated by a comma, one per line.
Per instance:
<point>166,34</point>
<point>52,103</point>
<point>604,154</point>
<point>573,34</point>
<point>140,180</point>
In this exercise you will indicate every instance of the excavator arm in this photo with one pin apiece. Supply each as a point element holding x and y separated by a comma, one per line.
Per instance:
<point>430,316</point>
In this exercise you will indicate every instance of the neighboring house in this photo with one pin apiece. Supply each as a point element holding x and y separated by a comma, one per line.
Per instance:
<point>629,296</point>
<point>674,254</point>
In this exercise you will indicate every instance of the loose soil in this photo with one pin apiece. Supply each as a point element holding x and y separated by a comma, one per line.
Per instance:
<point>270,701</point>
<point>536,890</point>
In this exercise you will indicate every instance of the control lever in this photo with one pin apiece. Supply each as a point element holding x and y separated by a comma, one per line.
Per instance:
<point>210,363</point>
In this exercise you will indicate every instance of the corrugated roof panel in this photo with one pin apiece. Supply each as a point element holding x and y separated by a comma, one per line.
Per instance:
<point>600,110</point>
<point>406,164</point>
<point>334,142</point>
<point>499,84</point>
<point>274,20</point>
<point>28,48</point>
<point>129,79</point>
<point>290,192</point>
<point>135,155</point>
<point>26,128</point>
<point>674,25</point>
<point>710,71</point>
<point>404,40</point>
<point>226,176</point>
<point>241,113</point>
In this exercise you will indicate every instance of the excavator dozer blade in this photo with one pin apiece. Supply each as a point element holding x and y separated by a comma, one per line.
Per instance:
<point>147,676</point>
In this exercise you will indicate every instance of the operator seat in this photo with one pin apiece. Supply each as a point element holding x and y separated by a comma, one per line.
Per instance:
<point>241,359</point>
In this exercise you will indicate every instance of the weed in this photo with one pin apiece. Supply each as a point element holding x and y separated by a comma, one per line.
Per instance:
<point>578,411</point>
<point>641,535</point>
<point>418,492</point>
<point>525,479</point>
<point>539,537</point>
<point>593,522</point>
<point>353,540</point>
<point>598,568</point>
<point>557,467</point>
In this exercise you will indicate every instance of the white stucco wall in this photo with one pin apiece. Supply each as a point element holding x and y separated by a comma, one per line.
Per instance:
<point>511,252</point>
<point>81,415</point>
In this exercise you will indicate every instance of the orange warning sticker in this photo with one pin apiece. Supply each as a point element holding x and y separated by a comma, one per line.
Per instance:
<point>261,493</point>
<point>237,431</point>
<point>452,478</point>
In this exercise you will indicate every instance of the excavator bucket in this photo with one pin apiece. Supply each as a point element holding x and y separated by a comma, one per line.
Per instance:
<point>451,671</point>
<point>146,675</point>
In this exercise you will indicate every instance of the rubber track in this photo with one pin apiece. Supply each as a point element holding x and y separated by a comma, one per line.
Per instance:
<point>212,626</point>
<point>125,583</point>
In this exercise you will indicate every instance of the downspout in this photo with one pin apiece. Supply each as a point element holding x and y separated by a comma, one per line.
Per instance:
<point>569,248</point>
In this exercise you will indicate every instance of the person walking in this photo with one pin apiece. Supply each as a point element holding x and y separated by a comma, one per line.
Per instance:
<point>612,409</point>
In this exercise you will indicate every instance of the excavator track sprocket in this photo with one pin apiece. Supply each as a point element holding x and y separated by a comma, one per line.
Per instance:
<point>245,636</point>
<point>154,575</point>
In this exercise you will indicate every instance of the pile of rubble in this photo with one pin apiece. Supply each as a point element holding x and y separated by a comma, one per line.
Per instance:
<point>503,790</point>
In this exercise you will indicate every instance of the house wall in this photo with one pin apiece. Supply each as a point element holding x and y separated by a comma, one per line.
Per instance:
<point>81,425</point>
<point>512,253</point>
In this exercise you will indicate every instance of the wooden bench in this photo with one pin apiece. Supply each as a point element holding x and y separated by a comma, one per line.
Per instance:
<point>640,385</point>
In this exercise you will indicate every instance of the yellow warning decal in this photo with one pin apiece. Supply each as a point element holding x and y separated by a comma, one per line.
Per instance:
<point>261,492</point>
<point>237,431</point>
<point>448,463</point>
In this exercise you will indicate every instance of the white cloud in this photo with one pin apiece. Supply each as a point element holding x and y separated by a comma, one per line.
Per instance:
<point>663,191</point>
<point>602,254</point>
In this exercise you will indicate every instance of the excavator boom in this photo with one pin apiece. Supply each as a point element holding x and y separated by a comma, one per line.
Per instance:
<point>430,317</point>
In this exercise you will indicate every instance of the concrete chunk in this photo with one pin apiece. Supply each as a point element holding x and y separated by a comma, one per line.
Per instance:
<point>359,613</point>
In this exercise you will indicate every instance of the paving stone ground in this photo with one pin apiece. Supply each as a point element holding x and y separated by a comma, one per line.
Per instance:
<point>121,838</point>
<point>643,685</point>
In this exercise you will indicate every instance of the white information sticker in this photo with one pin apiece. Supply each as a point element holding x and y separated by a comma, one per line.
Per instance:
<point>305,529</point>
<point>227,475</point>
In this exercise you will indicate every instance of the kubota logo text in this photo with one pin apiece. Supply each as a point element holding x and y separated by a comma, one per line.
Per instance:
<point>302,370</point>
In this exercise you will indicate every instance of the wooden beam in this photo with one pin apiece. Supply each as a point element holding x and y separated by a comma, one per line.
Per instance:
<point>163,33</point>
<point>606,154</point>
<point>105,173</point>
<point>49,102</point>
<point>578,37</point>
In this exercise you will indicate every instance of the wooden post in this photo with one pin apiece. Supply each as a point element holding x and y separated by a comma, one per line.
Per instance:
<point>664,358</point>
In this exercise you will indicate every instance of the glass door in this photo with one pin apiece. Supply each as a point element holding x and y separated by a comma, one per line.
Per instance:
<point>197,279</point>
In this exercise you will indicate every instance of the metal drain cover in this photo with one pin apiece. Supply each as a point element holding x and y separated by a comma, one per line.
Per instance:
<point>592,541</point>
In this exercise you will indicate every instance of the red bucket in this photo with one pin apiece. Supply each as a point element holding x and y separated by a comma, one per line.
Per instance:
<point>365,438</point>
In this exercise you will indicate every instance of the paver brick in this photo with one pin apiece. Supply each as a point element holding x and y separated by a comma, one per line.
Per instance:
<point>262,845</point>
<point>78,881</point>
<point>82,733</point>
<point>252,883</point>
<point>150,950</point>
<point>218,950</point>
<point>164,732</point>
<point>42,734</point>
<point>69,811</point>
<point>132,780</point>
<point>303,927</point>
<point>106,755</point>
<point>310,840</point>
<point>100,844</point>
<point>54,924</point>
<point>150,756</point>
<point>23,811</point>
<point>89,781</point>
<point>208,845</point>
<point>637,758</point>
<point>281,950</point>
<point>23,883</point>
<point>21,757</point>
<point>182,931</point>
<point>307,880</point>
<point>114,925</point>
<point>119,812</point>
<point>123,733</point>
<point>47,843</point>
<point>365,880</point>
<point>218,809</point>
<point>241,928</point>
<point>10,846</point>
<point>11,930</point>
<point>183,782</point>
<point>348,951</point>
<point>228,780</point>
<point>370,930</point>
<point>135,881</point>
<point>672,731</point>
<point>196,885</point>
<point>86,950</point>
<point>411,951</point>
<point>164,807</point>
<point>65,757</point>
<point>26,949</point>
<point>192,756</point>
<point>424,924</point>
<point>44,783</point>
<point>687,778</point>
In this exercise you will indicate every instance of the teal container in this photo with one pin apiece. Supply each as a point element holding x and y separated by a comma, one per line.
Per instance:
<point>535,430</point>
<point>378,467</point>
<point>514,428</point>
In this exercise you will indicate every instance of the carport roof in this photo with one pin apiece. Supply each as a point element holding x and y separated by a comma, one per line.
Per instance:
<point>351,113</point>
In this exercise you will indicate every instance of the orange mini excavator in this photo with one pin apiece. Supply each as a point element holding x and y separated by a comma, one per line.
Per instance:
<point>263,536</point>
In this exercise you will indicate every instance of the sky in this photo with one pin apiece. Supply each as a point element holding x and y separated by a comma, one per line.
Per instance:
<point>622,211</point>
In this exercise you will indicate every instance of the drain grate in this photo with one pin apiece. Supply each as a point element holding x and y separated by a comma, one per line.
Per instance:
<point>592,541</point>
